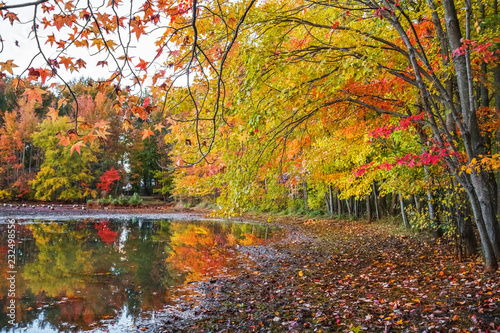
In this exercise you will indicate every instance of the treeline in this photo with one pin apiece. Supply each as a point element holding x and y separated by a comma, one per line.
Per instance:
<point>55,148</point>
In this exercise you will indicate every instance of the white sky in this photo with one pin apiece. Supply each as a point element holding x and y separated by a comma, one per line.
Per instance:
<point>23,35</point>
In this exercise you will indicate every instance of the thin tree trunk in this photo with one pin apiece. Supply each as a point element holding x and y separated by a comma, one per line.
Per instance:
<point>417,203</point>
<point>375,200</point>
<point>403,213</point>
<point>331,199</point>
<point>393,204</point>
<point>368,208</point>
<point>306,206</point>
<point>348,206</point>
<point>339,204</point>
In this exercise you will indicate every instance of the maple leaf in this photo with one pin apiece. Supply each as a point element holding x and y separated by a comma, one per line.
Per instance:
<point>66,61</point>
<point>69,6</point>
<point>61,102</point>
<point>61,44</point>
<point>76,147</point>
<point>59,21</point>
<point>53,114</point>
<point>43,74</point>
<point>102,63</point>
<point>127,125</point>
<point>34,94</point>
<point>81,63</point>
<point>72,134</point>
<point>140,112</point>
<point>98,42</point>
<point>63,141</point>
<point>102,133</point>
<point>147,133</point>
<point>51,39</point>
<point>89,137</point>
<point>101,124</point>
<point>158,127</point>
<point>142,64</point>
<point>137,28</point>
<point>111,44</point>
<point>12,17</point>
<point>7,66</point>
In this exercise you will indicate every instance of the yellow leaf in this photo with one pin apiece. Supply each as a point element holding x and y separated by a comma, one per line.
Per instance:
<point>53,114</point>
<point>7,66</point>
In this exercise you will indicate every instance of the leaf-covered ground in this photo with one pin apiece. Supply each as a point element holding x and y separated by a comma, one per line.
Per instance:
<point>338,276</point>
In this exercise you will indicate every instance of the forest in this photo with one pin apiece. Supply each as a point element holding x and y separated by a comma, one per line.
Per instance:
<point>357,109</point>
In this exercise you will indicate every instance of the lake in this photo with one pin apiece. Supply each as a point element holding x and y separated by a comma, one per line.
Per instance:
<point>101,275</point>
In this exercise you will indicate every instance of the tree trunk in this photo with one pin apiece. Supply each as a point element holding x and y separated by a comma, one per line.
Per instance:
<point>368,208</point>
<point>306,206</point>
<point>375,200</point>
<point>393,204</point>
<point>348,206</point>
<point>331,199</point>
<point>339,204</point>
<point>403,213</point>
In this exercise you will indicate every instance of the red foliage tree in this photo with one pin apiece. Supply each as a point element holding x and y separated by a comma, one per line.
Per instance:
<point>108,178</point>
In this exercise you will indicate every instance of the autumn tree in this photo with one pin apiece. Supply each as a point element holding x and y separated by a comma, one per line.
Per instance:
<point>66,172</point>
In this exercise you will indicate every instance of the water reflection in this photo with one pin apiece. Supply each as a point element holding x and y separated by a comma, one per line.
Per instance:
<point>84,274</point>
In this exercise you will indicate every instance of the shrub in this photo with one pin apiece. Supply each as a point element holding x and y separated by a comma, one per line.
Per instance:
<point>135,200</point>
<point>122,200</point>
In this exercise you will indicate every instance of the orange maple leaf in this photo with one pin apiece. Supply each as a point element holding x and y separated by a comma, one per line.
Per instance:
<point>51,39</point>
<point>43,74</point>
<point>101,124</point>
<point>61,102</point>
<point>35,94</point>
<point>12,17</point>
<point>77,146</point>
<point>142,65</point>
<point>69,6</point>
<point>66,61</point>
<point>147,133</point>
<point>137,28</point>
<point>63,140</point>
<point>89,137</point>
<point>84,126</point>
<point>158,127</point>
<point>102,133</point>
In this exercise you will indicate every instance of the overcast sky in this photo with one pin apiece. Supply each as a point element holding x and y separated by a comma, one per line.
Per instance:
<point>19,45</point>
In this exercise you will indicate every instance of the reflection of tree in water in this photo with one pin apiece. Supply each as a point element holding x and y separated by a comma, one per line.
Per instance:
<point>90,277</point>
<point>25,252</point>
<point>205,249</point>
<point>91,270</point>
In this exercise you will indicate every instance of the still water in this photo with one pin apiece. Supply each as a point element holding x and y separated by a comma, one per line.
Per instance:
<point>102,274</point>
